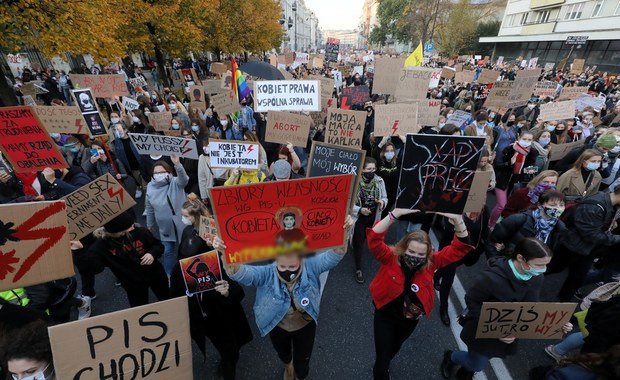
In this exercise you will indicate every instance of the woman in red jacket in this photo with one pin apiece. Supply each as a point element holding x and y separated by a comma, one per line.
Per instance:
<point>402,291</point>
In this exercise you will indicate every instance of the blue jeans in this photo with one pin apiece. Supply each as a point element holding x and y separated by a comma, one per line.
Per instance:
<point>572,342</point>
<point>170,256</point>
<point>471,361</point>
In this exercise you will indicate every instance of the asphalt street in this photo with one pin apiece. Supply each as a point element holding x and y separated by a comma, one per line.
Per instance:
<point>344,346</point>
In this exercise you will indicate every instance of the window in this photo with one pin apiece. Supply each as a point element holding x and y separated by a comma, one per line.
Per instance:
<point>524,18</point>
<point>573,11</point>
<point>617,12</point>
<point>542,17</point>
<point>510,20</point>
<point>598,6</point>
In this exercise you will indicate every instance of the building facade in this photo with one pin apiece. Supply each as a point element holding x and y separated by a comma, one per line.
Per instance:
<point>540,28</point>
<point>301,26</point>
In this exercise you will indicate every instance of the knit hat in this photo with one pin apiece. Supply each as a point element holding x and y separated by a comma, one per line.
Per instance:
<point>606,142</point>
<point>120,223</point>
<point>282,169</point>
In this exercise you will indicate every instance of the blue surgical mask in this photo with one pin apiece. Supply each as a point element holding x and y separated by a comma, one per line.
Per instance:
<point>441,125</point>
<point>550,128</point>
<point>389,156</point>
<point>175,126</point>
<point>529,273</point>
<point>591,166</point>
<point>195,128</point>
<point>39,375</point>
<point>75,150</point>
<point>544,141</point>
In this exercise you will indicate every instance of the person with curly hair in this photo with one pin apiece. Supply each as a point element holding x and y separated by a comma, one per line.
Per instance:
<point>27,353</point>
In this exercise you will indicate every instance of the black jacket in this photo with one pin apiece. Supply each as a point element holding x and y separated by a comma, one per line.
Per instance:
<point>591,219</point>
<point>123,255</point>
<point>516,227</point>
<point>496,283</point>
<point>503,169</point>
<point>602,324</point>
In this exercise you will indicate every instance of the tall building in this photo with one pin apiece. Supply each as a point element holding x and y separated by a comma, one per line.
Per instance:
<point>348,38</point>
<point>540,28</point>
<point>301,26</point>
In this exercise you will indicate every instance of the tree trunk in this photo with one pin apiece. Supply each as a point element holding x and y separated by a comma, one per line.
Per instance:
<point>159,55</point>
<point>7,94</point>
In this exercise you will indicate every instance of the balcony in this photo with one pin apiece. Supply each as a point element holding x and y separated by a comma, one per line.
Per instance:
<point>542,28</point>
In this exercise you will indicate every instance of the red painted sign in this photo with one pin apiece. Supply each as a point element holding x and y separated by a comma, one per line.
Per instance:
<point>261,221</point>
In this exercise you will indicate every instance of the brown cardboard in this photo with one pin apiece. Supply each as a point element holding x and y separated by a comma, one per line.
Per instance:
<point>289,58</point>
<point>285,127</point>
<point>428,112</point>
<point>212,86</point>
<point>218,68</point>
<point>522,88</point>
<point>61,119</point>
<point>396,119</point>
<point>345,127</point>
<point>488,76</point>
<point>413,83</point>
<point>160,120</point>
<point>102,86</point>
<point>523,320</point>
<point>557,110</point>
<point>225,103</point>
<point>498,96</point>
<point>387,71</point>
<point>147,342</point>
<point>197,97</point>
<point>465,76</point>
<point>448,72</point>
<point>477,196</point>
<point>37,248</point>
<point>94,204</point>
<point>545,89</point>
<point>207,228</point>
<point>578,65</point>
<point>569,93</point>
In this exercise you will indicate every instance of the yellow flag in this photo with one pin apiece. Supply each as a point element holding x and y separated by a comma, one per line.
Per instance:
<point>416,58</point>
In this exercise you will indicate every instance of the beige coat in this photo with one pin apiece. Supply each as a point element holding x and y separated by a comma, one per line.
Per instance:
<point>571,183</point>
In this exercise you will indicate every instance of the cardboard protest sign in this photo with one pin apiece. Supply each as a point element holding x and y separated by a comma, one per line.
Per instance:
<point>523,320</point>
<point>226,81</point>
<point>26,143</point>
<point>289,58</point>
<point>488,76</point>
<point>285,127</point>
<point>448,72</point>
<point>94,204</point>
<point>354,95</point>
<point>201,272</point>
<point>287,95</point>
<point>225,103</point>
<point>557,110</point>
<point>234,155</point>
<point>164,145</point>
<point>130,104</point>
<point>317,62</point>
<point>212,86</point>
<point>188,77</point>
<point>138,81</point>
<point>387,74</point>
<point>558,151</point>
<point>151,341</point>
<point>460,118</point>
<point>102,86</point>
<point>413,83</point>
<point>428,112</point>
<point>90,111</point>
<point>327,85</point>
<point>345,127</point>
<point>437,172</point>
<point>577,66</point>
<point>587,100</point>
<point>545,89</point>
<point>61,119</point>
<point>35,248</point>
<point>207,228</point>
<point>562,63</point>
<point>477,196</point>
<point>218,68</point>
<point>498,96</point>
<point>396,119</point>
<point>332,49</point>
<point>522,88</point>
<point>160,120</point>
<point>197,98</point>
<point>465,76</point>
<point>264,220</point>
<point>569,93</point>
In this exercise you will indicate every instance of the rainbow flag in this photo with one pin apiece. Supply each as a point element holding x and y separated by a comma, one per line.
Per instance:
<point>239,86</point>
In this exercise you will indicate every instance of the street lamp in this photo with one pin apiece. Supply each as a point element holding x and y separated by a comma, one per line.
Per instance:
<point>294,8</point>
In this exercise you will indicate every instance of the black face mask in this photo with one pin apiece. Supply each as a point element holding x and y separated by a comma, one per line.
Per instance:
<point>510,123</point>
<point>368,176</point>
<point>559,131</point>
<point>413,262</point>
<point>288,275</point>
<point>368,109</point>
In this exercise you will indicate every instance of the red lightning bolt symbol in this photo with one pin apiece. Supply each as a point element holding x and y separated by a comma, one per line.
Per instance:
<point>183,150</point>
<point>52,235</point>
<point>250,148</point>
<point>395,127</point>
<point>119,192</point>
<point>78,123</point>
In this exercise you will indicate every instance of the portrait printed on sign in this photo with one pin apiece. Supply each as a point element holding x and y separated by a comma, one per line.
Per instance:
<point>85,100</point>
<point>201,272</point>
<point>290,237</point>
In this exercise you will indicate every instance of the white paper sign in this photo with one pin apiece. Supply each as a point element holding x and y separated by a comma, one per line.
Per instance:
<point>459,118</point>
<point>164,145</point>
<point>287,95</point>
<point>234,155</point>
<point>130,104</point>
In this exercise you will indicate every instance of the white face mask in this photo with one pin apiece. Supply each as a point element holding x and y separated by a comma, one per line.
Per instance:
<point>185,220</point>
<point>147,113</point>
<point>224,122</point>
<point>525,143</point>
<point>135,119</point>
<point>175,126</point>
<point>160,177</point>
<point>173,107</point>
<point>37,376</point>
<point>531,106</point>
<point>615,149</point>
<point>115,120</point>
<point>205,149</point>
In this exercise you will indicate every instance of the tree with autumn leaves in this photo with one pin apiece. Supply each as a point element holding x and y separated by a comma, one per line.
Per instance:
<point>111,29</point>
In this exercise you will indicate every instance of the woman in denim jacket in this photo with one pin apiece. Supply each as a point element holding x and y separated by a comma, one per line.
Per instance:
<point>288,294</point>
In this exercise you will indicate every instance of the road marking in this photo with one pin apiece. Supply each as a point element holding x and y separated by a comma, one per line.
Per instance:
<point>457,289</point>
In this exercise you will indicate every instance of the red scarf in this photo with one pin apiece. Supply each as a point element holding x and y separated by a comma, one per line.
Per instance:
<point>28,179</point>
<point>522,153</point>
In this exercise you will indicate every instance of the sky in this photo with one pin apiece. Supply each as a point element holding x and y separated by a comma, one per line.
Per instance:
<point>337,14</point>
